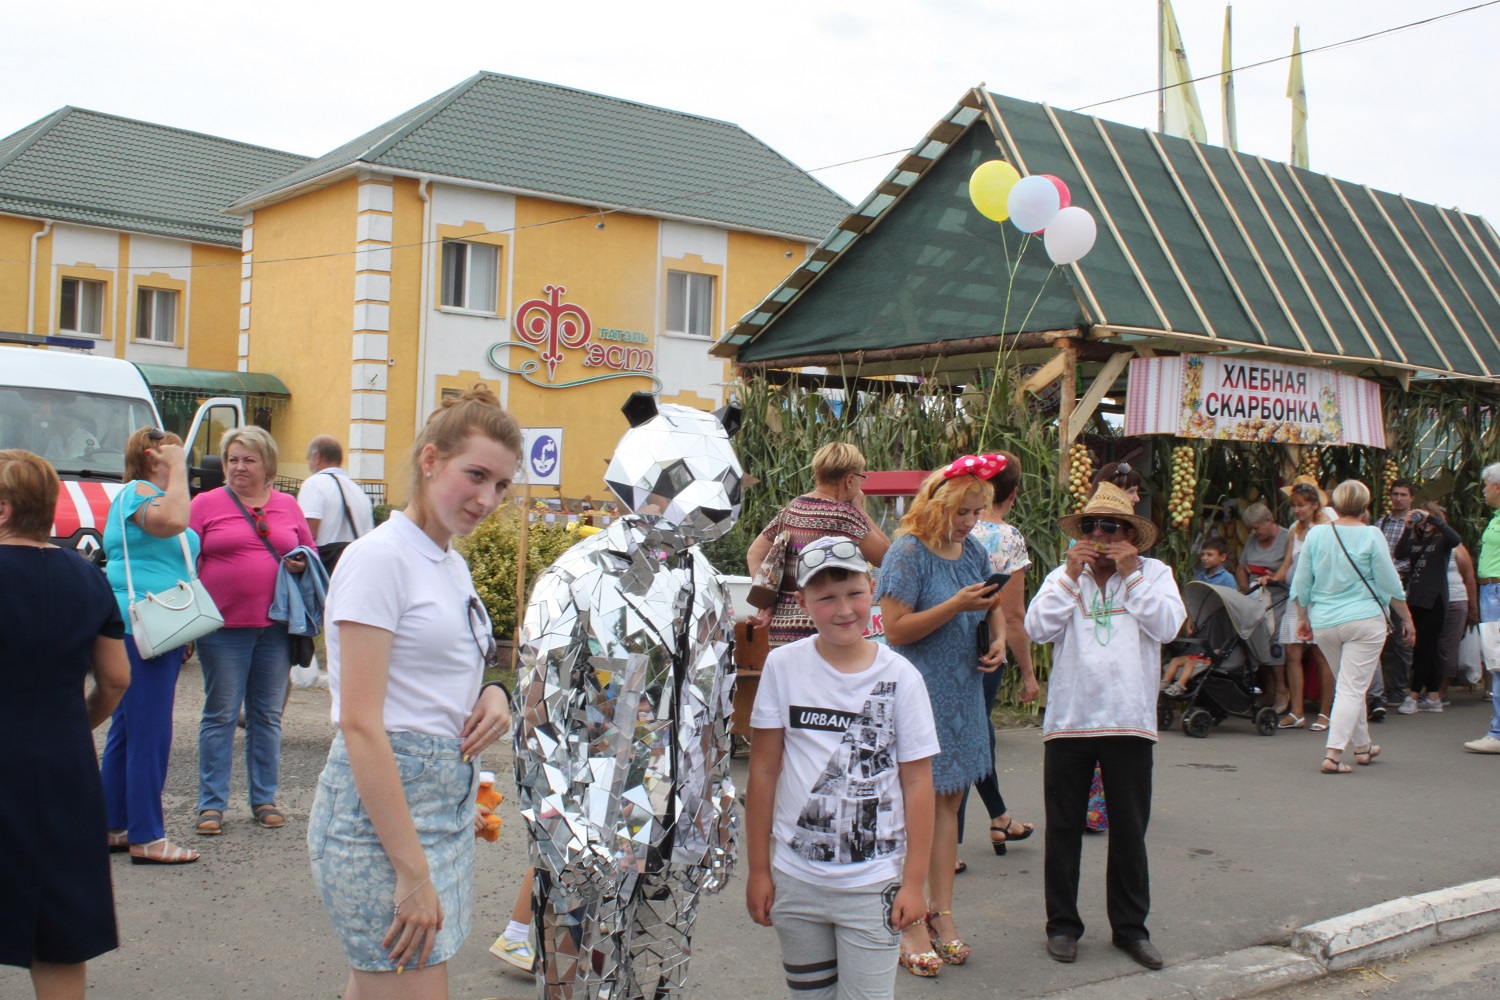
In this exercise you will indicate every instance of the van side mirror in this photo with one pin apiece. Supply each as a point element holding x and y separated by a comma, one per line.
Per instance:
<point>208,476</point>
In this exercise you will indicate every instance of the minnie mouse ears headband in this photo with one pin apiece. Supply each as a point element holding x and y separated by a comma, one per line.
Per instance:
<point>980,466</point>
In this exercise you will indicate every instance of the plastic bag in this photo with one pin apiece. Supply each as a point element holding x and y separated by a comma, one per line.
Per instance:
<point>310,676</point>
<point>1470,658</point>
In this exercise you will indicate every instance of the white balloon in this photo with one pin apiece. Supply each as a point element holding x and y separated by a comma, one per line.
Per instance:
<point>1032,203</point>
<point>1070,235</point>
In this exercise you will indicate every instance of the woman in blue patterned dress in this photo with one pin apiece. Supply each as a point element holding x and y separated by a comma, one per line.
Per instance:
<point>933,597</point>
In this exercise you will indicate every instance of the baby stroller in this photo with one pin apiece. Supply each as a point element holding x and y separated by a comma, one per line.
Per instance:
<point>1230,629</point>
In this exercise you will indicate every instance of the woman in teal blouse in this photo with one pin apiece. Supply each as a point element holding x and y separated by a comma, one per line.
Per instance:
<point>153,508</point>
<point>1343,583</point>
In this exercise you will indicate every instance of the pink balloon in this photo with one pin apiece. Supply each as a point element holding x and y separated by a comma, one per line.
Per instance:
<point>1062,190</point>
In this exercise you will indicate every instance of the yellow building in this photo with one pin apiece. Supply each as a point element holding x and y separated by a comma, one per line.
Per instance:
<point>564,247</point>
<point>113,231</point>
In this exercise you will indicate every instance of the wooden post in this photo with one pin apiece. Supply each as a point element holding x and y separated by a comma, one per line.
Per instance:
<point>1069,397</point>
<point>515,651</point>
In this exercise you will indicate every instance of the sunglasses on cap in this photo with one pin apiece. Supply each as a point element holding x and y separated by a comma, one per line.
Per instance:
<point>155,435</point>
<point>813,558</point>
<point>1089,525</point>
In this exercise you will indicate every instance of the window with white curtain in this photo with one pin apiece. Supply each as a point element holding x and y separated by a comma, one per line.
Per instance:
<point>81,306</point>
<point>690,303</point>
<point>471,276</point>
<point>156,315</point>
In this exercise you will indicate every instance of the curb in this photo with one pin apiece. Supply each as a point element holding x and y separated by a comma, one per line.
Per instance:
<point>1344,942</point>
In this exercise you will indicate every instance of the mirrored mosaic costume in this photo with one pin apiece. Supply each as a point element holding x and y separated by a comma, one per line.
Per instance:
<point>626,687</point>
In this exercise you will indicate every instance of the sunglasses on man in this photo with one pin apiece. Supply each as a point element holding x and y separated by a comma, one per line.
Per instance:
<point>1103,525</point>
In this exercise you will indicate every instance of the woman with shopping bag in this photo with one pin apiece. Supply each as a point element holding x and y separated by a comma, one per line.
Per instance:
<point>149,549</point>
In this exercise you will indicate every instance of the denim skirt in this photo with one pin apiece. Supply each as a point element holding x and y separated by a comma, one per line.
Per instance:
<point>350,867</point>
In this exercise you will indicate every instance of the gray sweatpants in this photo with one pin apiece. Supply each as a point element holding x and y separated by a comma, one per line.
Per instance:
<point>836,944</point>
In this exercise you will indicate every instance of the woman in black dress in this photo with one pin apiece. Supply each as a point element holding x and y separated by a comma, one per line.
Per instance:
<point>58,622</point>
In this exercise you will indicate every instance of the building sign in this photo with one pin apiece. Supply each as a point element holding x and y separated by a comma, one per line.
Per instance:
<point>541,456</point>
<point>551,328</point>
<point>1238,399</point>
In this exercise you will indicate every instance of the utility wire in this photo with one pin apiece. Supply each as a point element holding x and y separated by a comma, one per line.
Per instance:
<point>1305,52</point>
<point>599,213</point>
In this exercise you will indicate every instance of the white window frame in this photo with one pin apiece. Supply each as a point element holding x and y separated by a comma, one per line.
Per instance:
<point>467,293</point>
<point>78,306</point>
<point>695,288</point>
<point>150,315</point>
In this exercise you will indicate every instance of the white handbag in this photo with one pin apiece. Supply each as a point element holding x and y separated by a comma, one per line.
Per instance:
<point>171,618</point>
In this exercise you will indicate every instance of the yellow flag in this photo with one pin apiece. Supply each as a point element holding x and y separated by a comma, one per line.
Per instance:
<point>1226,85</point>
<point>1181,114</point>
<point>1296,89</point>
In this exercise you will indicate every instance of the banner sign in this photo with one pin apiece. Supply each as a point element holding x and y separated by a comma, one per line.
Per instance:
<point>1237,399</point>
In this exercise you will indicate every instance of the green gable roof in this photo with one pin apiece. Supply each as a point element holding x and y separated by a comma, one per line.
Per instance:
<point>588,148</point>
<point>119,173</point>
<point>1198,247</point>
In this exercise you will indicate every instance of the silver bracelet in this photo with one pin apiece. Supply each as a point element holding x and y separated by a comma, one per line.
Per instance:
<point>396,908</point>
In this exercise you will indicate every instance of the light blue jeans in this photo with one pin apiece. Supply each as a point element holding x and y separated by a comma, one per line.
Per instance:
<point>249,667</point>
<point>1489,611</point>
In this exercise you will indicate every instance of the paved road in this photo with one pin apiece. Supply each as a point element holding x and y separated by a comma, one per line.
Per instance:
<point>1247,842</point>
<point>1463,970</point>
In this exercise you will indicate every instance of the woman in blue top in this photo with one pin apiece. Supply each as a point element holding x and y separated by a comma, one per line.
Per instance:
<point>153,508</point>
<point>1343,582</point>
<point>933,596</point>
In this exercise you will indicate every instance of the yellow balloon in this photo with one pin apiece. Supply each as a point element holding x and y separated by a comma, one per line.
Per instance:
<point>989,187</point>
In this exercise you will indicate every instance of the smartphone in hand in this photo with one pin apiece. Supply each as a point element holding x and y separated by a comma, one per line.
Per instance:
<point>995,581</point>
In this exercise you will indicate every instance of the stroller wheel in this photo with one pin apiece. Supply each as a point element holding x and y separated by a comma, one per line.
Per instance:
<point>1165,714</point>
<point>1198,723</point>
<point>1266,721</point>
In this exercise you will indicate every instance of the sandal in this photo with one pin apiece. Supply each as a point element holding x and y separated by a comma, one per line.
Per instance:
<point>210,822</point>
<point>1297,721</point>
<point>269,817</point>
<point>1007,835</point>
<point>118,841</point>
<point>1320,724</point>
<point>161,852</point>
<point>960,868</point>
<point>1368,754</point>
<point>953,952</point>
<point>1339,767</point>
<point>925,964</point>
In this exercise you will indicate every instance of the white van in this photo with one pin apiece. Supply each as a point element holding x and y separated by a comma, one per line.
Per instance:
<point>77,410</point>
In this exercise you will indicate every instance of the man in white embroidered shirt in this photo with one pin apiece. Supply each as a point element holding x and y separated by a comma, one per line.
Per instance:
<point>1106,610</point>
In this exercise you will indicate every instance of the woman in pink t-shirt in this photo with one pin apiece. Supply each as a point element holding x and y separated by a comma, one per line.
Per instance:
<point>246,662</point>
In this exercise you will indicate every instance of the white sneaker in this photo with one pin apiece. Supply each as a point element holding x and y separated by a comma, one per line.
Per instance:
<point>1485,744</point>
<point>1408,706</point>
<point>1429,705</point>
<point>517,953</point>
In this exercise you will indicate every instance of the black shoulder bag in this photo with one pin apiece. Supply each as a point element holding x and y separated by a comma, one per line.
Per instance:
<point>329,554</point>
<point>1392,625</point>
<point>300,649</point>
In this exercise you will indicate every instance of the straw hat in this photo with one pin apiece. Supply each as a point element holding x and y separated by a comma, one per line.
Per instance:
<point>1111,501</point>
<point>1286,490</point>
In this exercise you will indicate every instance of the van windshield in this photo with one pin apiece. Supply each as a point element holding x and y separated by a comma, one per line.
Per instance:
<point>78,432</point>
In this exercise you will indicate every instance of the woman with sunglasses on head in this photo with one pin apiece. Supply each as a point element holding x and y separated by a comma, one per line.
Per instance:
<point>933,594</point>
<point>392,828</point>
<point>243,527</point>
<point>148,524</point>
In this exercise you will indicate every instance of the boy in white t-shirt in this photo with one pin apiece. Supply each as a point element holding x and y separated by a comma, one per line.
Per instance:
<point>841,781</point>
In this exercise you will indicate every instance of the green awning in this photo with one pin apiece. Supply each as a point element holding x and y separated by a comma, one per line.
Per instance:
<point>1199,248</point>
<point>212,382</point>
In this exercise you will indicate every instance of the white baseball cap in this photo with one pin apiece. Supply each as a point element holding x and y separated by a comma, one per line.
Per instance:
<point>829,552</point>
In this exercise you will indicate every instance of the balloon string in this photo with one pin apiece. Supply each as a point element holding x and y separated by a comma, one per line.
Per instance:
<point>1038,298</point>
<point>1011,270</point>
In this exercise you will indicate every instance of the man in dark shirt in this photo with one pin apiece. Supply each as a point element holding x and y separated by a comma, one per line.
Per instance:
<point>1396,659</point>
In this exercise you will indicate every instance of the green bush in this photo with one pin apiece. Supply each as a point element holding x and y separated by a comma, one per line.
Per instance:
<point>383,511</point>
<point>492,550</point>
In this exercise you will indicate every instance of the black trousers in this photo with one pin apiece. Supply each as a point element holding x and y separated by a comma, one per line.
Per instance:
<point>1426,668</point>
<point>1125,768</point>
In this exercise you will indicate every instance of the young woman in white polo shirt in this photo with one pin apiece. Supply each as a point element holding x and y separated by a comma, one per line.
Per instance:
<point>391,834</point>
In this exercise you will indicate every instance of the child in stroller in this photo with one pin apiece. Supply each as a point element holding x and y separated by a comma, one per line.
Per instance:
<point>1229,630</point>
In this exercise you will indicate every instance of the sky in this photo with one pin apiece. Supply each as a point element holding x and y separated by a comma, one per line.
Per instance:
<point>824,82</point>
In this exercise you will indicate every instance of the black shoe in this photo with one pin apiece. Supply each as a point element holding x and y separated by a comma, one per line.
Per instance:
<point>1063,948</point>
<point>1377,714</point>
<point>1143,951</point>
